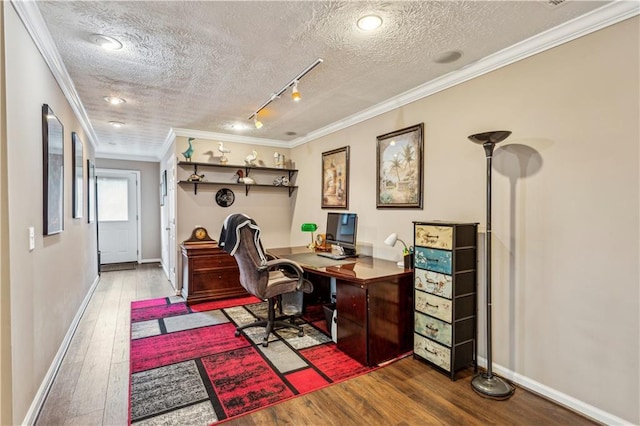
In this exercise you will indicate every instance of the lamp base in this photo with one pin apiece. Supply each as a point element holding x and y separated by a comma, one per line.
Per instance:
<point>492,387</point>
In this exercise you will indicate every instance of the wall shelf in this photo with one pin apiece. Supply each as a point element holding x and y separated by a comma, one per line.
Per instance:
<point>247,170</point>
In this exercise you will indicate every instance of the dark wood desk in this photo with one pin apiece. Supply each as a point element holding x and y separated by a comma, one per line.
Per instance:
<point>374,301</point>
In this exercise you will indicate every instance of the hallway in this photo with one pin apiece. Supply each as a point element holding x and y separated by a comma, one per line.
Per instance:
<point>91,387</point>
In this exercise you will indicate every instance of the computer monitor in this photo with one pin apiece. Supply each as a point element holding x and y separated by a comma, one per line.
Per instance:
<point>342,230</point>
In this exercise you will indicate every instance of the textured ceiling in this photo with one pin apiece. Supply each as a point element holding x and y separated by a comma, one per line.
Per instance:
<point>207,66</point>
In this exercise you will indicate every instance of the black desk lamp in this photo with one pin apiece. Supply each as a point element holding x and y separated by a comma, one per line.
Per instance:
<point>486,384</point>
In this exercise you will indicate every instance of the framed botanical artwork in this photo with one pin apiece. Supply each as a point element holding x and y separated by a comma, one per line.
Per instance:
<point>78,175</point>
<point>399,168</point>
<point>335,179</point>
<point>91,191</point>
<point>53,172</point>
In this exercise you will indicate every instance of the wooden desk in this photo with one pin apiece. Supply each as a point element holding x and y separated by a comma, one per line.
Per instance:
<point>374,301</point>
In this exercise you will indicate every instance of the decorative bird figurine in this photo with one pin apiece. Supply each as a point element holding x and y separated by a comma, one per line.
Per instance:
<point>189,152</point>
<point>223,150</point>
<point>240,178</point>
<point>251,158</point>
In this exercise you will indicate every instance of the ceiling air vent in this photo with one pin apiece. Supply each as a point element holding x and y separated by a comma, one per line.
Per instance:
<point>552,4</point>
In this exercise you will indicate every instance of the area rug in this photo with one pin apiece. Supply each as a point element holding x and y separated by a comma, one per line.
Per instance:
<point>187,366</point>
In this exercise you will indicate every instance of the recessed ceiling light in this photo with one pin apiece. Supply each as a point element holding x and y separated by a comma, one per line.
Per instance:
<point>106,42</point>
<point>447,57</point>
<point>114,100</point>
<point>369,22</point>
<point>116,123</point>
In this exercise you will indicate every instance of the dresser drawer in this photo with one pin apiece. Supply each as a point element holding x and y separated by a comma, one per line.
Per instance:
<point>351,303</point>
<point>433,260</point>
<point>207,280</point>
<point>440,237</point>
<point>433,305</point>
<point>215,261</point>
<point>431,351</point>
<point>433,328</point>
<point>433,282</point>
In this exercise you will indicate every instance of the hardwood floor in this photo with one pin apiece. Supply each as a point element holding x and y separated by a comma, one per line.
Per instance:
<point>91,387</point>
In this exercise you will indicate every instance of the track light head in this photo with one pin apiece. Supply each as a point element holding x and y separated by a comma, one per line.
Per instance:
<point>295,95</point>
<point>257,122</point>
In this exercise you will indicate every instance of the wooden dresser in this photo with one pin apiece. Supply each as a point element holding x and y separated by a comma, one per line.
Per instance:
<point>209,273</point>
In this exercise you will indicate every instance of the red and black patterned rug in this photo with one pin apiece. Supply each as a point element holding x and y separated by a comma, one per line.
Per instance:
<point>187,367</point>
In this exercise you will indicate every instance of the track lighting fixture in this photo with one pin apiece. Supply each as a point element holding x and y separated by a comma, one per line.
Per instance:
<point>257,122</point>
<point>295,95</point>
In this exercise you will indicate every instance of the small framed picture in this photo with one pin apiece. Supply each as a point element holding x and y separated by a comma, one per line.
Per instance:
<point>78,175</point>
<point>335,179</point>
<point>53,171</point>
<point>399,168</point>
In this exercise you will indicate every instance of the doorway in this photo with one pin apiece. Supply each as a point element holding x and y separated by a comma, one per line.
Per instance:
<point>118,216</point>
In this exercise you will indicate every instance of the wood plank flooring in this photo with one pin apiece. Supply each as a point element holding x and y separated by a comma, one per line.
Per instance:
<point>91,387</point>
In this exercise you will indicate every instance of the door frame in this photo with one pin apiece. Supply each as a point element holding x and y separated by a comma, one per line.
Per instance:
<point>138,201</point>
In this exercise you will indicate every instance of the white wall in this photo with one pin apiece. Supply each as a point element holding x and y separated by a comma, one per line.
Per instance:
<point>149,202</point>
<point>47,285</point>
<point>565,212</point>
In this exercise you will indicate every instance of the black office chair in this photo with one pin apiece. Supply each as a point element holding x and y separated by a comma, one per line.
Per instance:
<point>264,277</point>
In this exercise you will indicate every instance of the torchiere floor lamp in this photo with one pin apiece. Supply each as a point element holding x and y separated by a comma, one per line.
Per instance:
<point>486,384</point>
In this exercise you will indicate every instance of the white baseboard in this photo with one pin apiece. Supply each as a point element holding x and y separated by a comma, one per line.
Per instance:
<point>556,396</point>
<point>38,401</point>
<point>150,261</point>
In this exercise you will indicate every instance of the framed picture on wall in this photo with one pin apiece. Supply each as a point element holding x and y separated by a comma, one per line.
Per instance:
<point>335,179</point>
<point>78,175</point>
<point>52,172</point>
<point>91,191</point>
<point>399,168</point>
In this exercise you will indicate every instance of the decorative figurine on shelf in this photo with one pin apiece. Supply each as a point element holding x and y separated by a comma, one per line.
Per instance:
<point>196,178</point>
<point>281,181</point>
<point>279,160</point>
<point>251,158</point>
<point>223,150</point>
<point>240,178</point>
<point>189,152</point>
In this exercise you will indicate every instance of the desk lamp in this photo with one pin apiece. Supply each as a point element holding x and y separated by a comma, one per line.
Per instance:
<point>310,227</point>
<point>486,384</point>
<point>392,240</point>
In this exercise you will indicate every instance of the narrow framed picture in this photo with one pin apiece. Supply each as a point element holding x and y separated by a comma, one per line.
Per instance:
<point>335,179</point>
<point>78,175</point>
<point>91,191</point>
<point>399,168</point>
<point>53,172</point>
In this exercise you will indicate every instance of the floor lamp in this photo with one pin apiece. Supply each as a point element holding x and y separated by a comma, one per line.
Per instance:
<point>486,384</point>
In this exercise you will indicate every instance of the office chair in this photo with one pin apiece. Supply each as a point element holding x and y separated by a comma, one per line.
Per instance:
<point>265,277</point>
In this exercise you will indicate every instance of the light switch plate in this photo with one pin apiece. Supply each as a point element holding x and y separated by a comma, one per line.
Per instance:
<point>32,238</point>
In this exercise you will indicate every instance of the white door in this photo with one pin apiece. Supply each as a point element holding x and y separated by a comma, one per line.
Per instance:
<point>168,220</point>
<point>171,221</point>
<point>117,215</point>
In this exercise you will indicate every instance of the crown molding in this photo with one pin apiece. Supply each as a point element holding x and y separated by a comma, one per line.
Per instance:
<point>598,19</point>
<point>34,23</point>
<point>222,137</point>
<point>127,156</point>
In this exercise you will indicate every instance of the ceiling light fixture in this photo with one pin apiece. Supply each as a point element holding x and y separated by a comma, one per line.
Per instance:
<point>295,95</point>
<point>116,123</point>
<point>257,122</point>
<point>293,84</point>
<point>106,42</point>
<point>114,100</point>
<point>369,22</point>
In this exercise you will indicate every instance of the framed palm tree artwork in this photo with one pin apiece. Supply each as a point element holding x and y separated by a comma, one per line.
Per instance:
<point>399,168</point>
